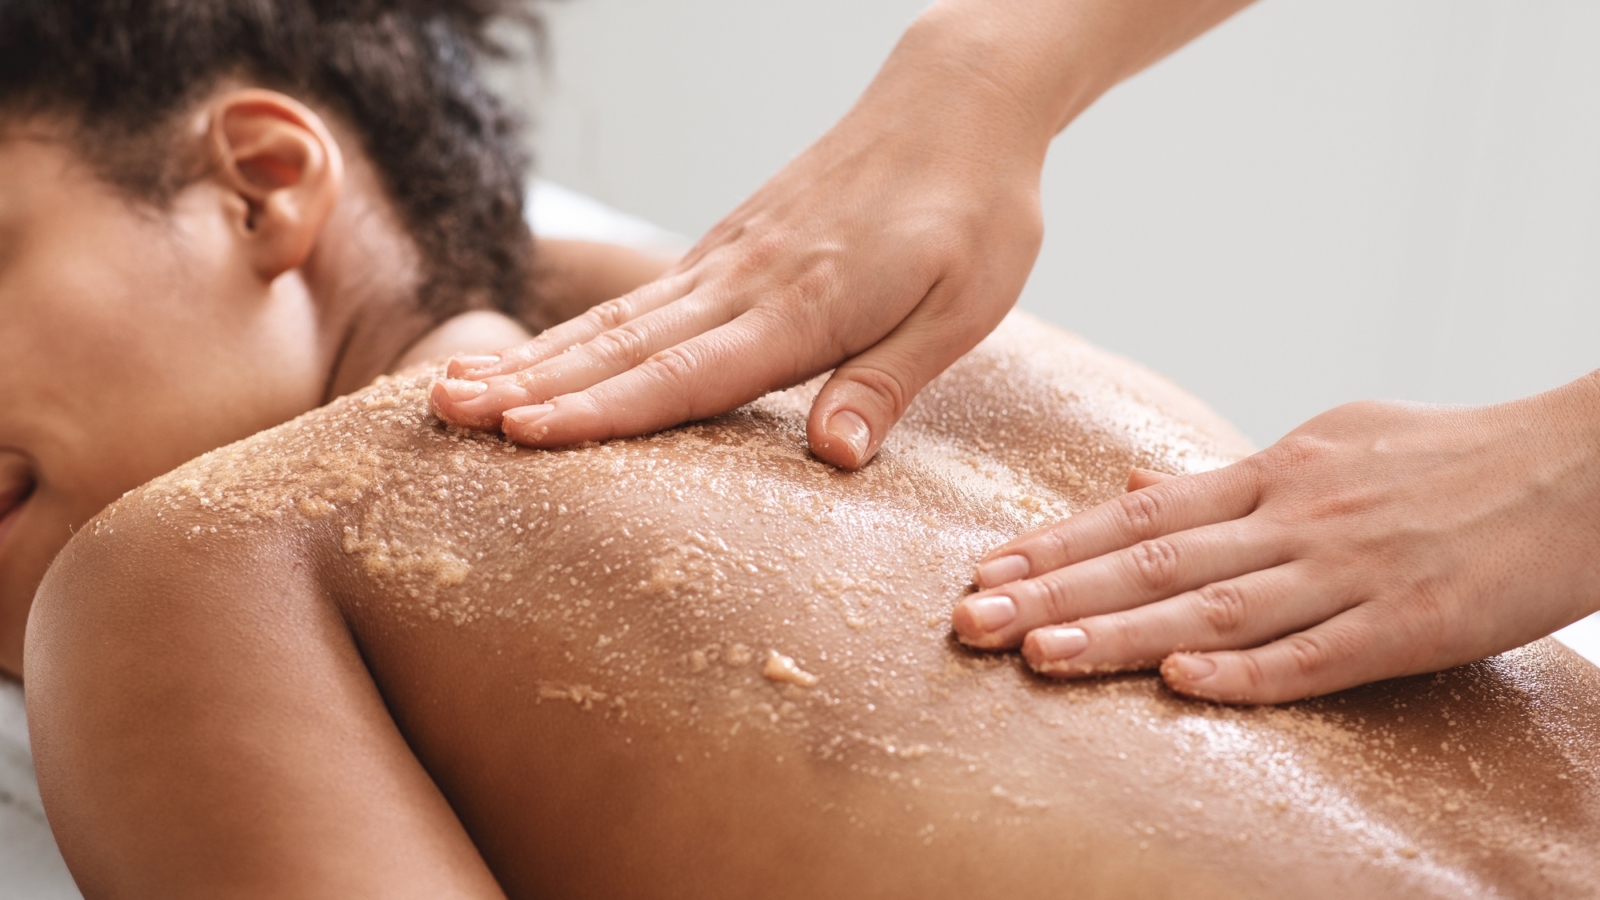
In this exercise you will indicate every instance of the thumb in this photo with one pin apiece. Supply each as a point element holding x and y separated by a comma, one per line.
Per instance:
<point>868,394</point>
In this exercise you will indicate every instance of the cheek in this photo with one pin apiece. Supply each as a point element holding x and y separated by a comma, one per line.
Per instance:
<point>111,388</point>
<point>142,346</point>
<point>37,537</point>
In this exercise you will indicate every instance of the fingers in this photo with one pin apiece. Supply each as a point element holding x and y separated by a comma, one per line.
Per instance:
<point>1357,646</point>
<point>867,395</point>
<point>1241,612</point>
<point>596,321</point>
<point>1170,506</point>
<point>1139,479</point>
<point>1151,570</point>
<point>580,366</point>
<point>714,372</point>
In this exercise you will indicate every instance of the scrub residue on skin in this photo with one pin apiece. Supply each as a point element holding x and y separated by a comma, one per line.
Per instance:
<point>672,585</point>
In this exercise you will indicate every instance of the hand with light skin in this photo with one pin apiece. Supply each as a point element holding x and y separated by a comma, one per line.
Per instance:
<point>1375,541</point>
<point>884,251</point>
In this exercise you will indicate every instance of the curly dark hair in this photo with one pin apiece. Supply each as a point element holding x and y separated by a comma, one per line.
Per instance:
<point>406,74</point>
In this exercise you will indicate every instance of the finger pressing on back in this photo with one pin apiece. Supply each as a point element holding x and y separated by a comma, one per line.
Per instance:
<point>468,402</point>
<point>709,374</point>
<point>597,320</point>
<point>1355,647</point>
<point>1232,614</point>
<point>1139,479</point>
<point>1149,571</point>
<point>866,395</point>
<point>1173,505</point>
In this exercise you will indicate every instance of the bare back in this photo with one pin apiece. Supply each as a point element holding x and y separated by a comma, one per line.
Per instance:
<point>704,664</point>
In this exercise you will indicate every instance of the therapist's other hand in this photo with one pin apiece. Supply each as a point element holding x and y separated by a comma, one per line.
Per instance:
<point>1375,541</point>
<point>884,252</point>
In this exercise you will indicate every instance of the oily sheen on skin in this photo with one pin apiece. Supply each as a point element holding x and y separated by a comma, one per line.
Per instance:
<point>705,664</point>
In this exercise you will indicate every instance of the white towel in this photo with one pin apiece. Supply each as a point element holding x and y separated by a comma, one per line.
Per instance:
<point>556,212</point>
<point>30,866</point>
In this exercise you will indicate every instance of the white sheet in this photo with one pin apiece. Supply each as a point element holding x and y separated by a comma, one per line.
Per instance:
<point>30,866</point>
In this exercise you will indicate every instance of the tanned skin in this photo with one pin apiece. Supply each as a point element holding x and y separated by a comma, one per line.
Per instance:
<point>363,654</point>
<point>134,337</point>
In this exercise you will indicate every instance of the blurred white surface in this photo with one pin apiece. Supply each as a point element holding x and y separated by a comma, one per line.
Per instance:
<point>1316,203</point>
<point>30,866</point>
<point>556,212</point>
<point>1584,637</point>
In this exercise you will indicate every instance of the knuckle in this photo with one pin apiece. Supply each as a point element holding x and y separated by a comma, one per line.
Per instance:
<point>1338,504</point>
<point>820,278</point>
<point>1055,546</point>
<point>675,364</point>
<point>1138,513</point>
<point>610,314</point>
<point>890,392</point>
<point>1222,608</point>
<point>1426,621</point>
<point>1256,679</point>
<point>1366,411</point>
<point>1129,638</point>
<point>1154,563</point>
<point>762,251</point>
<point>675,369</point>
<point>1057,599</point>
<point>1299,451</point>
<point>1306,652</point>
<point>623,345</point>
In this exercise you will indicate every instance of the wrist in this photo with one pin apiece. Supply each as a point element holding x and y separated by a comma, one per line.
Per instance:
<point>1573,411</point>
<point>1053,58</point>
<point>1563,460</point>
<point>956,76</point>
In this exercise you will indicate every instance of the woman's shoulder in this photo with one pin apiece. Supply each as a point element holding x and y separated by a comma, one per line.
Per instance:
<point>287,494</point>
<point>375,484</point>
<point>1031,397</point>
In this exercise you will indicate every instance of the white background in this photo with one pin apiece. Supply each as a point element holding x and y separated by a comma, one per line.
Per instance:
<point>1315,203</point>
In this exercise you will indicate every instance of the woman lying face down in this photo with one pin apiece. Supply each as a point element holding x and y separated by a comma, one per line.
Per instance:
<point>363,654</point>
<point>360,654</point>
<point>187,258</point>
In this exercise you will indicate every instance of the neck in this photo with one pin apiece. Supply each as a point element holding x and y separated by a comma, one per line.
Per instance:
<point>364,274</point>
<point>374,343</point>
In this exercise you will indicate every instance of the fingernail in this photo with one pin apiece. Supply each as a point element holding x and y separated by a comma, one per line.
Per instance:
<point>461,391</point>
<point>1190,668</point>
<point>1058,644</point>
<point>852,429</point>
<point>470,363</point>
<point>527,415</point>
<point>987,614</point>
<point>1004,570</point>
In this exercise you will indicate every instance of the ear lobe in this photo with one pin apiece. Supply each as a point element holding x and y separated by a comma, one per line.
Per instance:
<point>280,159</point>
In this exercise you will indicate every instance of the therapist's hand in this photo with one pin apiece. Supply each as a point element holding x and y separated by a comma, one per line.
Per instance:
<point>885,251</point>
<point>1375,541</point>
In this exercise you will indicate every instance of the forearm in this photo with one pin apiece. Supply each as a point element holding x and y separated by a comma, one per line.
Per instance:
<point>1037,64</point>
<point>884,251</point>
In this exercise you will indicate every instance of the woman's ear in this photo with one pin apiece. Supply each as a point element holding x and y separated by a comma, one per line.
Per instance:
<point>285,168</point>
